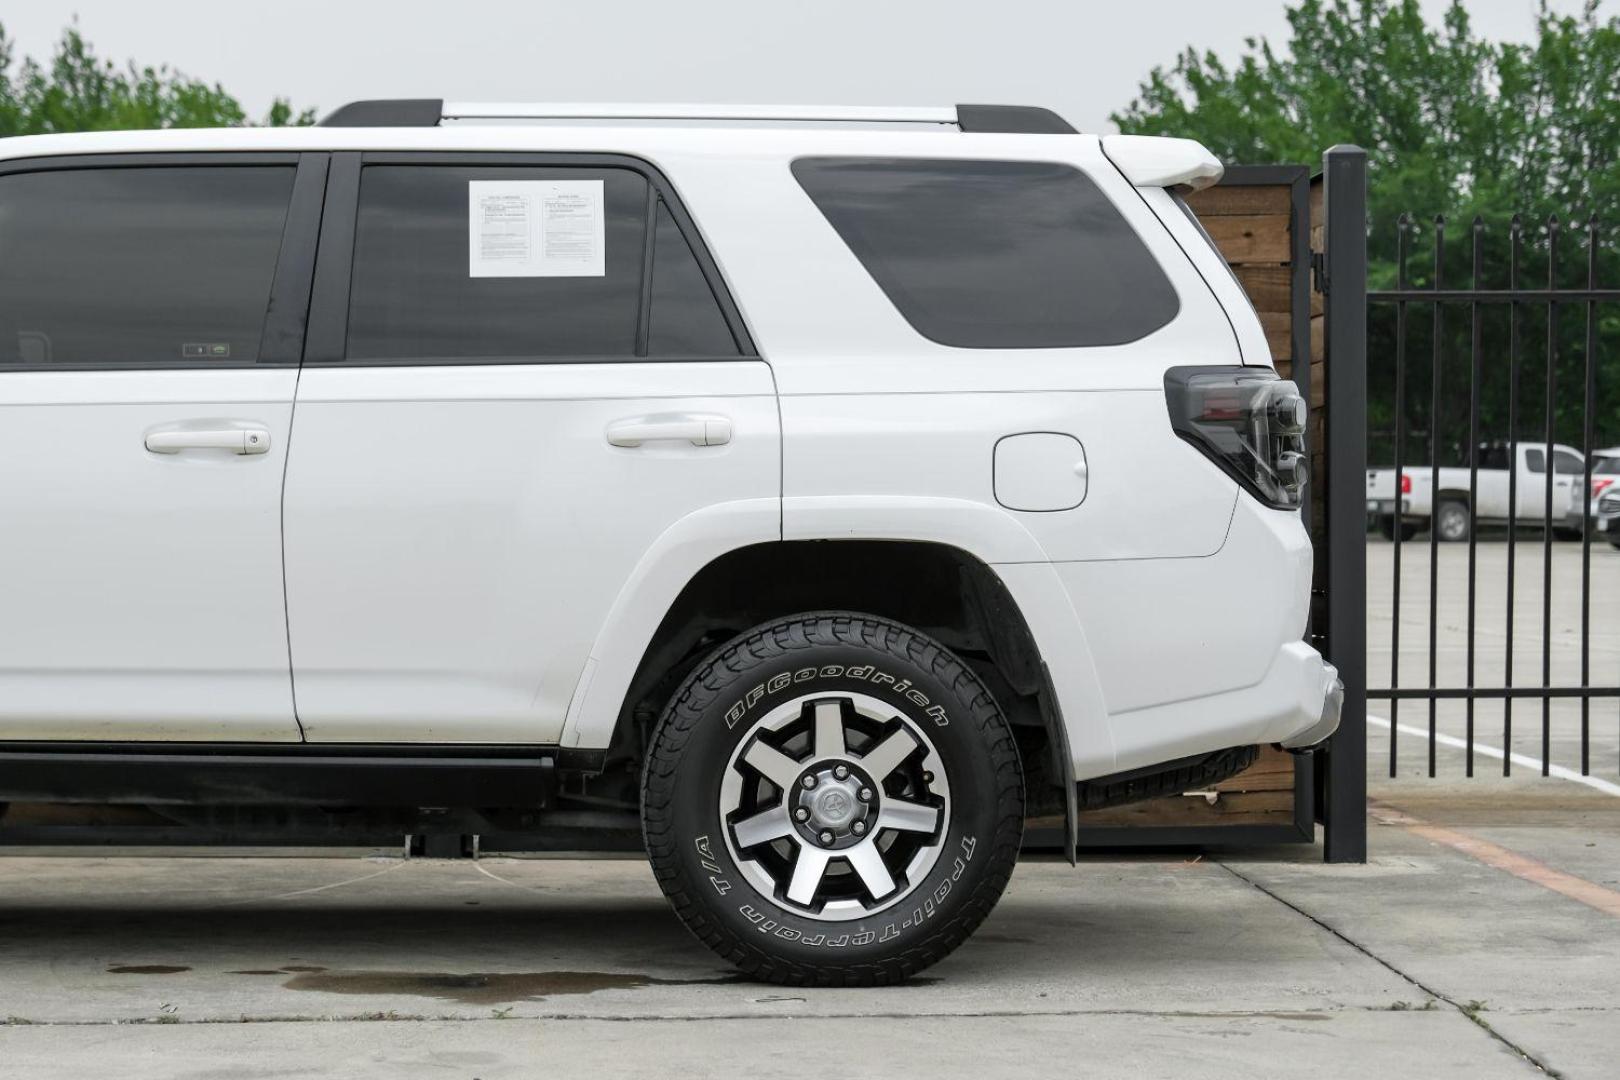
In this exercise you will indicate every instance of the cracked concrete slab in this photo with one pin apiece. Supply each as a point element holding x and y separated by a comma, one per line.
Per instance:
<point>1269,964</point>
<point>223,939</point>
<point>1350,1044</point>
<point>1464,929</point>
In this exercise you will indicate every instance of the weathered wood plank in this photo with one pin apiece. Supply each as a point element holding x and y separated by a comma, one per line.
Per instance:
<point>1270,287</point>
<point>1240,199</point>
<point>1233,808</point>
<point>1250,238</point>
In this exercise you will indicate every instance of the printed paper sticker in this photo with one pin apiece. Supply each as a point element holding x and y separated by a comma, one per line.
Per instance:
<point>535,228</point>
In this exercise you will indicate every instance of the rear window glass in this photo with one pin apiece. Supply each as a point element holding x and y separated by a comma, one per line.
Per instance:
<point>994,254</point>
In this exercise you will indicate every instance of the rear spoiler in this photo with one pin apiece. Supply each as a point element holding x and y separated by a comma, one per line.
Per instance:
<point>1155,161</point>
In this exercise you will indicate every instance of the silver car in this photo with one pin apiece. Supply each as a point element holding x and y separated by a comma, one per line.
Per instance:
<point>1605,486</point>
<point>1607,510</point>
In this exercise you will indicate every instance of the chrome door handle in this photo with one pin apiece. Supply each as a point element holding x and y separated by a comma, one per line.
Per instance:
<point>699,430</point>
<point>249,440</point>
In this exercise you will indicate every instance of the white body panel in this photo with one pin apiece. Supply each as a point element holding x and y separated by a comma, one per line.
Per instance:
<point>456,536</point>
<point>141,596</point>
<point>469,559</point>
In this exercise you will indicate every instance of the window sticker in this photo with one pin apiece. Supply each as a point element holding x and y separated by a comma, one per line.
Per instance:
<point>535,228</point>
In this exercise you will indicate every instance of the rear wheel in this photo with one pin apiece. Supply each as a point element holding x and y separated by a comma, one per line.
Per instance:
<point>1451,521</point>
<point>833,799</point>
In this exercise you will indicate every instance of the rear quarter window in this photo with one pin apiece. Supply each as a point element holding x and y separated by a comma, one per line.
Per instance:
<point>994,254</point>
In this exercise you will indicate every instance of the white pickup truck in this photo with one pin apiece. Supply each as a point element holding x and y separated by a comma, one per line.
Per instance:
<point>1445,500</point>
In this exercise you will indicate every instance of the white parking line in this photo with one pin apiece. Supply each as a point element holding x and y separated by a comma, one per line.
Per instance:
<point>1594,782</point>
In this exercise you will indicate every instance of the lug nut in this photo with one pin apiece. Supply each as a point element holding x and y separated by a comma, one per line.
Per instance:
<point>809,780</point>
<point>865,794</point>
<point>801,814</point>
<point>826,838</point>
<point>928,778</point>
<point>842,772</point>
<point>859,828</point>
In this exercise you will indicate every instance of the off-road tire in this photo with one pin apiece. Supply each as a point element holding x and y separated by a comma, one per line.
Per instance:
<point>710,716</point>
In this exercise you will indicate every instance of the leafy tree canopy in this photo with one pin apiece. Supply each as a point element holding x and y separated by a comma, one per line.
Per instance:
<point>1453,124</point>
<point>76,90</point>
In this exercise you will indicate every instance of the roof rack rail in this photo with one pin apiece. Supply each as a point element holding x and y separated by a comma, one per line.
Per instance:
<point>524,110</point>
<point>427,112</point>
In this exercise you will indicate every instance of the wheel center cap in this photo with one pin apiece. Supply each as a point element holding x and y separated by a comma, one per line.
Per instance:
<point>833,806</point>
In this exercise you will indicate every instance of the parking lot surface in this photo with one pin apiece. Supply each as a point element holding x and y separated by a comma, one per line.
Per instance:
<point>1426,962</point>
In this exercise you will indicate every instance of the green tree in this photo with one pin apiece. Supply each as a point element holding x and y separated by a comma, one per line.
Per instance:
<point>79,91</point>
<point>1454,125</point>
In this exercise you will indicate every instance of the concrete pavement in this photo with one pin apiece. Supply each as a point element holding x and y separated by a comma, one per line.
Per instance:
<point>1425,962</point>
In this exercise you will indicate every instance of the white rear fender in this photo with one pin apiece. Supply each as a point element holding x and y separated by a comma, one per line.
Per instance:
<point>672,560</point>
<point>685,548</point>
<point>983,532</point>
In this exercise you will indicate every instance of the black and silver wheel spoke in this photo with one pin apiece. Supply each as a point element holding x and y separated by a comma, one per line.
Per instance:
<point>868,862</point>
<point>914,817</point>
<point>774,765</point>
<point>763,827</point>
<point>884,758</point>
<point>829,741</point>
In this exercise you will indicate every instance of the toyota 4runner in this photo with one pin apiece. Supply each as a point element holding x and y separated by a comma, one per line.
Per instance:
<point>781,487</point>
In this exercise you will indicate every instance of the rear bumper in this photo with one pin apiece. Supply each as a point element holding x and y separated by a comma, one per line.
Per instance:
<point>1328,722</point>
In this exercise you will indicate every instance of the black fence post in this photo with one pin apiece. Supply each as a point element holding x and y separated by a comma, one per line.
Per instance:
<point>1345,266</point>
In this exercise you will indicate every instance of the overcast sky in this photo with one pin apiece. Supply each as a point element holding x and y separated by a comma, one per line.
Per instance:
<point>1080,57</point>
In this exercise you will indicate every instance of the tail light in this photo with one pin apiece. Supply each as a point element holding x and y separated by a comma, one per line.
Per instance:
<point>1249,422</point>
<point>1406,483</point>
<point>1599,486</point>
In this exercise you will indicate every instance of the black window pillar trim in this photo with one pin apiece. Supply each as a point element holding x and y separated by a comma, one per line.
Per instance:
<point>287,314</point>
<point>327,339</point>
<point>648,253</point>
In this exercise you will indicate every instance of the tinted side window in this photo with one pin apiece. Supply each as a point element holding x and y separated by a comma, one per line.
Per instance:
<point>1568,464</point>
<point>994,254</point>
<point>1535,461</point>
<point>686,318</point>
<point>140,265</point>
<point>414,295</point>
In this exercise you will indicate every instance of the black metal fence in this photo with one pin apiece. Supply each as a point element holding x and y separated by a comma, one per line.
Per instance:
<point>1498,352</point>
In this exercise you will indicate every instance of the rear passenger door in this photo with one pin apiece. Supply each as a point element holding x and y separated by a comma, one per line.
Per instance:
<point>151,320</point>
<point>522,370</point>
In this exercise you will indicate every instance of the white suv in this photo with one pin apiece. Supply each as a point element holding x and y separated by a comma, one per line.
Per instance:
<point>782,488</point>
